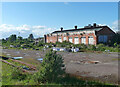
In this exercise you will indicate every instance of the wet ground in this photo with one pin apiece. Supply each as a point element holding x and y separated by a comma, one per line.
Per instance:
<point>82,63</point>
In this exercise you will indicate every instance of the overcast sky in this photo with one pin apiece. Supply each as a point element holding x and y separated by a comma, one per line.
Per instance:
<point>42,18</point>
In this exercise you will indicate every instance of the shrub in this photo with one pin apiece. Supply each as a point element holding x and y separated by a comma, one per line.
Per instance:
<point>100,47</point>
<point>51,68</point>
<point>17,74</point>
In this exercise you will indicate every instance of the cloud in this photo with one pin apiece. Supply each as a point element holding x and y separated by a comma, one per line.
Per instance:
<point>6,28</point>
<point>38,27</point>
<point>115,25</point>
<point>24,30</point>
<point>23,27</point>
<point>41,30</point>
<point>66,3</point>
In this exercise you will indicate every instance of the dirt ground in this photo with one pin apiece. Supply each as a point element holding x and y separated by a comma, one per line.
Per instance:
<point>81,64</point>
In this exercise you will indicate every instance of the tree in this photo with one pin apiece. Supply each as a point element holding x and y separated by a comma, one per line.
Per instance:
<point>20,38</point>
<point>12,38</point>
<point>51,68</point>
<point>31,37</point>
<point>3,40</point>
<point>116,38</point>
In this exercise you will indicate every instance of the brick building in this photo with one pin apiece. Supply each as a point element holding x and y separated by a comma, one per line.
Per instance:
<point>91,34</point>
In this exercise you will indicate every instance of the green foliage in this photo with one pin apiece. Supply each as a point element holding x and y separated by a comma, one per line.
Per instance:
<point>20,38</point>
<point>17,74</point>
<point>63,44</point>
<point>100,47</point>
<point>12,38</point>
<point>91,47</point>
<point>40,44</point>
<point>51,68</point>
<point>12,76</point>
<point>31,37</point>
<point>4,41</point>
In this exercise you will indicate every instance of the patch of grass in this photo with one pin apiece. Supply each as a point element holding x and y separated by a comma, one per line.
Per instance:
<point>67,80</point>
<point>116,59</point>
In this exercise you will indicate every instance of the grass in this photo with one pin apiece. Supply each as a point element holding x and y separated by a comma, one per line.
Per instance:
<point>64,81</point>
<point>6,72</point>
<point>116,59</point>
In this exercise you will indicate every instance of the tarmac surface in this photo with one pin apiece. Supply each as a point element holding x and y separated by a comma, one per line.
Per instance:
<point>96,66</point>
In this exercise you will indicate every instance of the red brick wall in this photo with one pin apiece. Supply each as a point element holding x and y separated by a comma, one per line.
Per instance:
<point>54,38</point>
<point>105,31</point>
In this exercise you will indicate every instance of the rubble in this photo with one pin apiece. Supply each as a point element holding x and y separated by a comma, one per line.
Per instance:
<point>85,62</point>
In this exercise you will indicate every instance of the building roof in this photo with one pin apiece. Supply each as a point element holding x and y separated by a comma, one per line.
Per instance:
<point>82,29</point>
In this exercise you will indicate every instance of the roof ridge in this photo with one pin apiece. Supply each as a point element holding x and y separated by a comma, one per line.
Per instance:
<point>80,29</point>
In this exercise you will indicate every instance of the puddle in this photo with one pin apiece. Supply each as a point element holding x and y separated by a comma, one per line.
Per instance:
<point>40,59</point>
<point>17,57</point>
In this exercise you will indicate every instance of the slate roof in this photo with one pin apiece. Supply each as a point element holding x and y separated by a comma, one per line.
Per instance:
<point>81,29</point>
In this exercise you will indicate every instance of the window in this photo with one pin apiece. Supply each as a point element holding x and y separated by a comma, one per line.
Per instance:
<point>64,38</point>
<point>76,40</point>
<point>83,40</point>
<point>102,38</point>
<point>70,39</point>
<point>90,40</point>
<point>59,39</point>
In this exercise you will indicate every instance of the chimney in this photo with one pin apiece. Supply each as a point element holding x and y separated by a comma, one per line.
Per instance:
<point>61,28</point>
<point>75,27</point>
<point>94,25</point>
<point>89,25</point>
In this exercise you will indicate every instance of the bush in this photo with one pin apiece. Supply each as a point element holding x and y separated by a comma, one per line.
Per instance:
<point>91,47</point>
<point>17,74</point>
<point>51,68</point>
<point>100,47</point>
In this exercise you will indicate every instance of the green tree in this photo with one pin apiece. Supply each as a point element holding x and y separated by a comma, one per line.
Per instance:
<point>20,38</point>
<point>3,40</point>
<point>17,74</point>
<point>116,38</point>
<point>12,38</point>
<point>51,69</point>
<point>31,37</point>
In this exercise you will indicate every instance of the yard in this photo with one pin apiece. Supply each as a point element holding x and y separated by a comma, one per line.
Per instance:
<point>81,64</point>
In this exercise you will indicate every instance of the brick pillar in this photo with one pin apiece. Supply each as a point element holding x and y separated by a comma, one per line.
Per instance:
<point>95,40</point>
<point>67,38</point>
<point>57,38</point>
<point>62,38</point>
<point>47,39</point>
<point>86,39</point>
<point>79,39</point>
<point>73,39</point>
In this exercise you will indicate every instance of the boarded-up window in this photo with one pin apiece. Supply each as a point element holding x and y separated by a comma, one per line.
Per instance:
<point>70,39</point>
<point>59,39</point>
<point>76,40</point>
<point>83,40</point>
<point>102,38</point>
<point>90,40</point>
<point>64,38</point>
